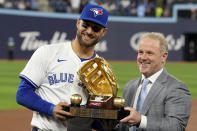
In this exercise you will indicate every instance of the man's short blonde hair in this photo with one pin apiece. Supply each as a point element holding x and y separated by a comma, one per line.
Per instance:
<point>158,36</point>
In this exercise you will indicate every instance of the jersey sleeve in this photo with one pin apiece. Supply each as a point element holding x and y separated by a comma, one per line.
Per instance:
<point>35,69</point>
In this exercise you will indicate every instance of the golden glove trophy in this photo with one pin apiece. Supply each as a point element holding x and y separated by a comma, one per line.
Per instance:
<point>101,84</point>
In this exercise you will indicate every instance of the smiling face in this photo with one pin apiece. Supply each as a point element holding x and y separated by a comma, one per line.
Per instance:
<point>150,58</point>
<point>89,33</point>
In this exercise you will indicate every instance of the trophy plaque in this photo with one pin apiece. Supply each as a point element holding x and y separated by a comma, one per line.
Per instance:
<point>102,87</point>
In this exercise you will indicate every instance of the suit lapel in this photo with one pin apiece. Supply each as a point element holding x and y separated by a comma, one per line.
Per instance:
<point>154,91</point>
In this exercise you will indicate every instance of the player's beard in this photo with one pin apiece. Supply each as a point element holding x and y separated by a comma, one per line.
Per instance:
<point>86,44</point>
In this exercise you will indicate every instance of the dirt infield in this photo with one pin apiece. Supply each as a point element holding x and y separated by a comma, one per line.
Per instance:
<point>19,120</point>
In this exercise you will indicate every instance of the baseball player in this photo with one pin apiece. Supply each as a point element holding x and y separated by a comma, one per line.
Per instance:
<point>50,77</point>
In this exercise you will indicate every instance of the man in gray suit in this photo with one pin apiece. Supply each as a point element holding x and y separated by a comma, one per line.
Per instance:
<point>165,101</point>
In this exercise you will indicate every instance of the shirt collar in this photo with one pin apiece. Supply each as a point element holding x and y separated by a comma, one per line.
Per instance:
<point>83,59</point>
<point>153,77</point>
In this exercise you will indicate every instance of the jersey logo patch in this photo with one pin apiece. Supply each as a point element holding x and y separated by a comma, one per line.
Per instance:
<point>59,60</point>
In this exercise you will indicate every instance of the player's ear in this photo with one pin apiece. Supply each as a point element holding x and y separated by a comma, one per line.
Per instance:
<point>77,23</point>
<point>104,31</point>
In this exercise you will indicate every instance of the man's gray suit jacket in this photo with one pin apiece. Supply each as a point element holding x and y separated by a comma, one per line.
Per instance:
<point>167,105</point>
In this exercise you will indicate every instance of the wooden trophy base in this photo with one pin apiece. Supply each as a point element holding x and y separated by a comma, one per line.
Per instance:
<point>101,107</point>
<point>116,114</point>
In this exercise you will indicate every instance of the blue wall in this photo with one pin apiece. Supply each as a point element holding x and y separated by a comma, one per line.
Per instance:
<point>33,29</point>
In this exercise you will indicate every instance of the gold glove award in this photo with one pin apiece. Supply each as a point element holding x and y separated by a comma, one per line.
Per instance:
<point>102,87</point>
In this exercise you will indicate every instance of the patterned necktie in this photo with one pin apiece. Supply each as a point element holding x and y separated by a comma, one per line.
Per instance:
<point>142,97</point>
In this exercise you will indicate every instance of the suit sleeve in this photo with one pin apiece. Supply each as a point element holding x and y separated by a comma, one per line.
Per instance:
<point>177,105</point>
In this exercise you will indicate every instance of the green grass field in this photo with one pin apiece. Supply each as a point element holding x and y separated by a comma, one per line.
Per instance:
<point>125,71</point>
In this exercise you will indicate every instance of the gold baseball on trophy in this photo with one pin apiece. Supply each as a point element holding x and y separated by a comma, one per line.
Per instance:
<point>119,102</point>
<point>75,99</point>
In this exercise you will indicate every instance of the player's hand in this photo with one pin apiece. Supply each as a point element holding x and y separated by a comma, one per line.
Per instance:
<point>133,119</point>
<point>59,113</point>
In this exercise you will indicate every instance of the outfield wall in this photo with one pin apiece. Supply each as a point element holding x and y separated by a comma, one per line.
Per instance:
<point>31,30</point>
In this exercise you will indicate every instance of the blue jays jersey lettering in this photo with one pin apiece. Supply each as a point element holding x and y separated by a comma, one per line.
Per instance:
<point>53,69</point>
<point>60,78</point>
